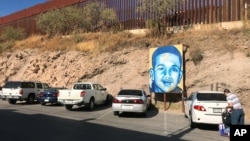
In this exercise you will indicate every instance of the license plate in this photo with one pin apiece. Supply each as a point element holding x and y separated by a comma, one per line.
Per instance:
<point>126,107</point>
<point>46,100</point>
<point>69,102</point>
<point>217,110</point>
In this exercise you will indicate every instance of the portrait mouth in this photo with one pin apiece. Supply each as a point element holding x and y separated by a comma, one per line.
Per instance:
<point>167,82</point>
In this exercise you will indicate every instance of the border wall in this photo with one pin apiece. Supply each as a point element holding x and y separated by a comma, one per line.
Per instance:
<point>187,12</point>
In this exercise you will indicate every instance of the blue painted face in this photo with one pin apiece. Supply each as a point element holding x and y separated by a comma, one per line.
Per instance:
<point>166,72</point>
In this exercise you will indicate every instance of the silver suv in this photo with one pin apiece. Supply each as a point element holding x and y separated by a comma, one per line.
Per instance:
<point>22,90</point>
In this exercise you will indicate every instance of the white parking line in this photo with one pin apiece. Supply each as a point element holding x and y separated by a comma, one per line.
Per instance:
<point>165,123</point>
<point>105,114</point>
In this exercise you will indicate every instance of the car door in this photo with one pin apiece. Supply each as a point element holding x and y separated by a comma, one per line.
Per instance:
<point>146,99</point>
<point>188,104</point>
<point>39,89</point>
<point>98,93</point>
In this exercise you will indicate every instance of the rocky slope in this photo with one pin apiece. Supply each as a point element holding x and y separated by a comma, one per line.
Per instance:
<point>225,64</point>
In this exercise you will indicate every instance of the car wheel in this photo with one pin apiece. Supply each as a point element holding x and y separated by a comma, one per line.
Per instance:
<point>185,115</point>
<point>107,101</point>
<point>68,107</point>
<point>116,113</point>
<point>12,101</point>
<point>42,103</point>
<point>191,123</point>
<point>149,106</point>
<point>30,99</point>
<point>91,104</point>
<point>144,114</point>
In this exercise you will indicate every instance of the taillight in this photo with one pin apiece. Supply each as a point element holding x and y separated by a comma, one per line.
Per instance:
<point>82,93</point>
<point>55,94</point>
<point>116,101</point>
<point>21,92</point>
<point>138,101</point>
<point>199,108</point>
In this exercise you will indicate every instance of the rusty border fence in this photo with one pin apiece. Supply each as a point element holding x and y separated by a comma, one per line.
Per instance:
<point>186,12</point>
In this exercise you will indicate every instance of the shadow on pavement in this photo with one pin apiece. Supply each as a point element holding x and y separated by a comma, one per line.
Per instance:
<point>39,127</point>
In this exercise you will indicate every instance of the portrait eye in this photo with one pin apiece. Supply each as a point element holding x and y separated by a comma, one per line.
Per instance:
<point>159,68</point>
<point>175,69</point>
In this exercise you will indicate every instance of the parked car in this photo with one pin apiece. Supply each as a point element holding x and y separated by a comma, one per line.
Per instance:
<point>49,96</point>
<point>28,91</point>
<point>205,107</point>
<point>131,100</point>
<point>87,94</point>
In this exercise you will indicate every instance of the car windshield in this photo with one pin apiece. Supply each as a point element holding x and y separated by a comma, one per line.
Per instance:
<point>52,90</point>
<point>12,85</point>
<point>211,96</point>
<point>131,92</point>
<point>82,86</point>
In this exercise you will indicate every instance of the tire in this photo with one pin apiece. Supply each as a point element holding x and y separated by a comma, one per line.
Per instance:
<point>12,101</point>
<point>185,115</point>
<point>91,104</point>
<point>116,113</point>
<point>144,114</point>
<point>31,99</point>
<point>107,101</point>
<point>43,104</point>
<point>69,107</point>
<point>191,123</point>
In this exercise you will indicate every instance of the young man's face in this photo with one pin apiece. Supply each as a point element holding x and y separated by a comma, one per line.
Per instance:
<point>167,72</point>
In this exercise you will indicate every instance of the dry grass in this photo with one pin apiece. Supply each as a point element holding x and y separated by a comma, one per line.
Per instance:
<point>95,43</point>
<point>31,42</point>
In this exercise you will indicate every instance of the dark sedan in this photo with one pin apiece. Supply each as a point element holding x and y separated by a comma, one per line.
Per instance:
<point>49,96</point>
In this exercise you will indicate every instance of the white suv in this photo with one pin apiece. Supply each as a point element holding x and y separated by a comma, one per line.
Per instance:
<point>22,90</point>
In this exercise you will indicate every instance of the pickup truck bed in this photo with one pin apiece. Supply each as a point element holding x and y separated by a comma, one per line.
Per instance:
<point>83,94</point>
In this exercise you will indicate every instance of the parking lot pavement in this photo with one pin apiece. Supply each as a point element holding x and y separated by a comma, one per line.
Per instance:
<point>158,125</point>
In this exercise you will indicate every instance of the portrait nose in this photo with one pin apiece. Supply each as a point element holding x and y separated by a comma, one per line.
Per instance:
<point>167,72</point>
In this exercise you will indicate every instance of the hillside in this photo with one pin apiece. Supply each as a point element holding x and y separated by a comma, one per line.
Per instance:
<point>225,64</point>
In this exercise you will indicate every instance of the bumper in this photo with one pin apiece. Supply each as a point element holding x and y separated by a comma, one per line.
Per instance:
<point>207,118</point>
<point>11,97</point>
<point>71,102</point>
<point>47,100</point>
<point>129,108</point>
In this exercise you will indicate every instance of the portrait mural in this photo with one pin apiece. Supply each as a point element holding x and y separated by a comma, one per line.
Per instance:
<point>166,69</point>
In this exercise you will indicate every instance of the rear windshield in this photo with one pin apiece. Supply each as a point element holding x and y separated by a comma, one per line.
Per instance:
<point>82,86</point>
<point>211,96</point>
<point>51,90</point>
<point>19,85</point>
<point>130,92</point>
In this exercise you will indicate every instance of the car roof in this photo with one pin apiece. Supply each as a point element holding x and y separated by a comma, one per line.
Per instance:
<point>130,89</point>
<point>207,91</point>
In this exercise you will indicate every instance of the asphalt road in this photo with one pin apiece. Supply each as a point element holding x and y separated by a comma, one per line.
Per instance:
<point>22,122</point>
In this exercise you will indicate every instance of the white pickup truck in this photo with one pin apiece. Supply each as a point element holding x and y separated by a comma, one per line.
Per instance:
<point>83,94</point>
<point>15,91</point>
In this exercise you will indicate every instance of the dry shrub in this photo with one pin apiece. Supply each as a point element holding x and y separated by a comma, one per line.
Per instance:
<point>86,46</point>
<point>196,55</point>
<point>6,46</point>
<point>33,41</point>
<point>60,43</point>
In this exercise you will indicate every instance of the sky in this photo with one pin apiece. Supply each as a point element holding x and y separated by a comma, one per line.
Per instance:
<point>8,7</point>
